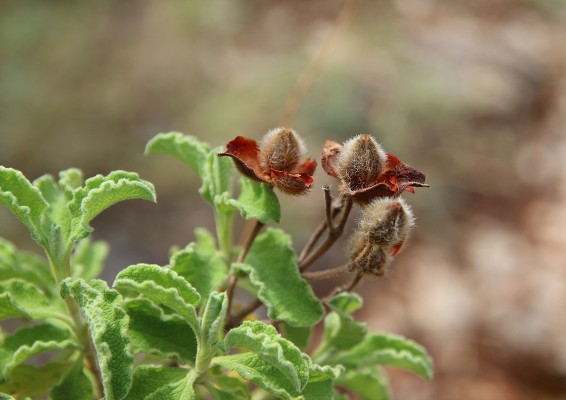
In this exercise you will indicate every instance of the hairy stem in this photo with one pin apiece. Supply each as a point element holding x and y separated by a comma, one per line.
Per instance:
<point>79,326</point>
<point>327,273</point>
<point>224,233</point>
<point>237,318</point>
<point>258,226</point>
<point>333,234</point>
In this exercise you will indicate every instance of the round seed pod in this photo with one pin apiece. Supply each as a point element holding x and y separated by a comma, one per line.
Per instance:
<point>367,257</point>
<point>387,222</point>
<point>361,162</point>
<point>281,149</point>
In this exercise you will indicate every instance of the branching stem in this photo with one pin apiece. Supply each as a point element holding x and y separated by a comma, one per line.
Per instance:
<point>258,226</point>
<point>334,232</point>
<point>327,273</point>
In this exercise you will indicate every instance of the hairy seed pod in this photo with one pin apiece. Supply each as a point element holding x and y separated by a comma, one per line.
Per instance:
<point>361,162</point>
<point>387,222</point>
<point>281,149</point>
<point>367,257</point>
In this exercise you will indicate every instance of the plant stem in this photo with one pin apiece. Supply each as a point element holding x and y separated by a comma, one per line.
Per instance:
<point>348,288</point>
<point>224,233</point>
<point>333,210</point>
<point>258,226</point>
<point>79,325</point>
<point>327,273</point>
<point>333,234</point>
<point>236,319</point>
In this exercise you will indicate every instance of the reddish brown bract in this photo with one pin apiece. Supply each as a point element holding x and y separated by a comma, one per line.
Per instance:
<point>276,160</point>
<point>364,174</point>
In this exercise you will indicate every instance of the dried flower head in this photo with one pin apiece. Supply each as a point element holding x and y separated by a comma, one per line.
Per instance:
<point>360,162</point>
<point>281,149</point>
<point>278,160</point>
<point>383,229</point>
<point>366,171</point>
<point>387,222</point>
<point>368,258</point>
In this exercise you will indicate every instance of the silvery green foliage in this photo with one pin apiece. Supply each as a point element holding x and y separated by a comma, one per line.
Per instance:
<point>163,332</point>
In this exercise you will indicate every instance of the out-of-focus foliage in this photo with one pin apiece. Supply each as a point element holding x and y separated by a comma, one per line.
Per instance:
<point>473,93</point>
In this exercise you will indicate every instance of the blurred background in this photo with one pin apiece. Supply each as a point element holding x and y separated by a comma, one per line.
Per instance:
<point>471,92</point>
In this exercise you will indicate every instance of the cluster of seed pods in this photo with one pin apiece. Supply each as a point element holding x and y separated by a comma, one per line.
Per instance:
<point>369,177</point>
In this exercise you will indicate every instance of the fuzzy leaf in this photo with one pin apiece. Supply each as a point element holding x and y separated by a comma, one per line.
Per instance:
<point>74,385</point>
<point>101,192</point>
<point>180,390</point>
<point>164,287</point>
<point>202,266</point>
<point>217,180</point>
<point>223,387</point>
<point>19,298</point>
<point>257,201</point>
<point>254,368</point>
<point>321,382</point>
<point>368,384</point>
<point>108,326</point>
<point>149,378</point>
<point>70,180</point>
<point>27,380</point>
<point>264,341</point>
<point>390,350</point>
<point>340,329</point>
<point>27,266</point>
<point>148,323</point>
<point>28,342</point>
<point>272,268</point>
<point>88,259</point>
<point>186,148</point>
<point>57,216</point>
<point>24,200</point>
<point>212,320</point>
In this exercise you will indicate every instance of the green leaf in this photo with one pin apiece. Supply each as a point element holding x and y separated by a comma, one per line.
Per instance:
<point>19,298</point>
<point>390,350</point>
<point>27,380</point>
<point>340,329</point>
<point>223,387</point>
<point>70,180</point>
<point>272,268</point>
<point>57,216</point>
<point>321,382</point>
<point>186,148</point>
<point>88,259</point>
<point>266,342</point>
<point>368,383</point>
<point>149,378</point>
<point>24,200</point>
<point>254,368</point>
<point>101,192</point>
<point>217,180</point>
<point>257,201</point>
<point>27,266</point>
<point>212,320</point>
<point>202,266</point>
<point>108,325</point>
<point>155,333</point>
<point>300,336</point>
<point>164,287</point>
<point>180,390</point>
<point>28,342</point>
<point>74,385</point>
